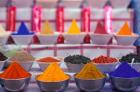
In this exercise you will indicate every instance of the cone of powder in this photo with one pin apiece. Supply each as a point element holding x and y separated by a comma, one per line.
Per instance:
<point>53,74</point>
<point>47,30</point>
<point>23,30</point>
<point>15,71</point>
<point>74,29</point>
<point>125,71</point>
<point>125,30</point>
<point>90,72</point>
<point>100,29</point>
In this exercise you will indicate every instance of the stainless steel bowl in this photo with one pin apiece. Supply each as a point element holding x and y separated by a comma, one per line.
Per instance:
<point>124,84</point>
<point>15,85</point>
<point>74,68</point>
<point>53,86</point>
<point>90,85</point>
<point>44,65</point>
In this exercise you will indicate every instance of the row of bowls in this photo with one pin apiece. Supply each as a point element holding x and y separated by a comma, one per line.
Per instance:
<point>72,68</point>
<point>102,39</point>
<point>121,84</point>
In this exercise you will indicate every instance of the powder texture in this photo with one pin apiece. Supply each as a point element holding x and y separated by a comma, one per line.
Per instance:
<point>48,59</point>
<point>47,30</point>
<point>53,74</point>
<point>89,72</point>
<point>125,30</point>
<point>125,70</point>
<point>74,29</point>
<point>23,30</point>
<point>100,29</point>
<point>15,71</point>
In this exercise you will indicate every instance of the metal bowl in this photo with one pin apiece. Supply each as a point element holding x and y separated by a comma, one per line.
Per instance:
<point>124,84</point>
<point>22,39</point>
<point>52,86</point>
<point>74,39</point>
<point>48,39</point>
<point>90,85</point>
<point>44,65</point>
<point>15,85</point>
<point>74,68</point>
<point>125,40</point>
<point>101,39</point>
<point>107,67</point>
<point>27,65</point>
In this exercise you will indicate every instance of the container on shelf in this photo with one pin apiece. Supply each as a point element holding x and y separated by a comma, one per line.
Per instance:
<point>74,39</point>
<point>101,39</point>
<point>107,67</point>
<point>53,86</point>
<point>74,68</point>
<point>15,85</point>
<point>124,84</point>
<point>48,39</point>
<point>90,85</point>
<point>125,40</point>
<point>22,39</point>
<point>44,65</point>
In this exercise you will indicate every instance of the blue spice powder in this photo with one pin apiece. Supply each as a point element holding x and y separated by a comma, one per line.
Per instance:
<point>125,71</point>
<point>23,30</point>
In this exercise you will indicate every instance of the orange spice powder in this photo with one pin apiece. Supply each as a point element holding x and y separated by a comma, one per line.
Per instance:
<point>48,59</point>
<point>15,71</point>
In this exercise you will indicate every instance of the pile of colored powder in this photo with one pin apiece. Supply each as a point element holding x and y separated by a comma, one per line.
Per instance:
<point>3,32</point>
<point>15,71</point>
<point>125,30</point>
<point>125,71</point>
<point>47,30</point>
<point>77,59</point>
<point>104,59</point>
<point>22,56</point>
<point>48,59</point>
<point>53,74</point>
<point>2,57</point>
<point>128,58</point>
<point>74,29</point>
<point>100,29</point>
<point>90,72</point>
<point>23,30</point>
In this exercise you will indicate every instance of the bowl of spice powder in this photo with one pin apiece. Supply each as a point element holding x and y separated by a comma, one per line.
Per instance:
<point>24,59</point>
<point>44,62</point>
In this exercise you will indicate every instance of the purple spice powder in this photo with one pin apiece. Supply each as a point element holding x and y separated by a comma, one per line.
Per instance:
<point>125,71</point>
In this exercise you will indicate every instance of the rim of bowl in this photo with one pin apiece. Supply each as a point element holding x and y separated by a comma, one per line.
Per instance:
<point>123,77</point>
<point>105,63</point>
<point>22,35</point>
<point>90,79</point>
<point>18,78</point>
<point>48,62</point>
<point>21,62</point>
<point>134,35</point>
<point>100,34</point>
<point>74,64</point>
<point>52,82</point>
<point>82,33</point>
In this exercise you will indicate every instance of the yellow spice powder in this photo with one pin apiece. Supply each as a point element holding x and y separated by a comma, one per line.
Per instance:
<point>53,74</point>
<point>90,71</point>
